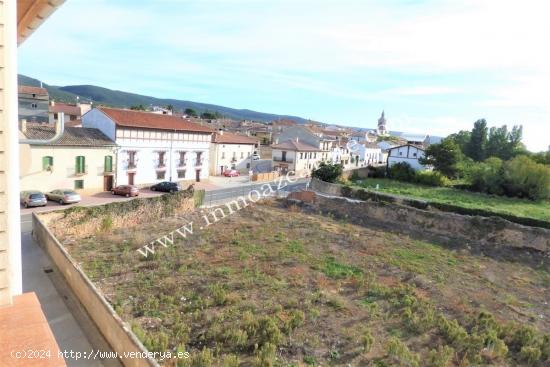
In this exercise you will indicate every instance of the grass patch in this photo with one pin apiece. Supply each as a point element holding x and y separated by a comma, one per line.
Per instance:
<point>471,200</point>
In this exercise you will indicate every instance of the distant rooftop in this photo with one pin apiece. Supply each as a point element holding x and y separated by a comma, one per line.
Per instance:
<point>72,136</point>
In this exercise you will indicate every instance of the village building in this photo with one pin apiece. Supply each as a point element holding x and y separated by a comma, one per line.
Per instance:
<point>407,153</point>
<point>153,147</point>
<point>82,159</point>
<point>33,103</point>
<point>231,151</point>
<point>297,156</point>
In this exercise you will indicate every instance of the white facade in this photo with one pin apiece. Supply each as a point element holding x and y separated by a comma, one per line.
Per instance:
<point>147,156</point>
<point>301,162</point>
<point>225,156</point>
<point>406,153</point>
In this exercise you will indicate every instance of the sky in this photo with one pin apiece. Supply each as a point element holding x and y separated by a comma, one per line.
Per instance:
<point>433,66</point>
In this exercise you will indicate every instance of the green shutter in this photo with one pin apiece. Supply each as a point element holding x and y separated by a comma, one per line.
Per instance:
<point>47,161</point>
<point>108,163</point>
<point>80,165</point>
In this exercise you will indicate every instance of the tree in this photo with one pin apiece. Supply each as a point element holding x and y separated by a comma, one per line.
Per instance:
<point>523,177</point>
<point>462,139</point>
<point>478,141</point>
<point>505,144</point>
<point>170,107</point>
<point>138,108</point>
<point>191,112</point>
<point>210,115</point>
<point>327,172</point>
<point>444,157</point>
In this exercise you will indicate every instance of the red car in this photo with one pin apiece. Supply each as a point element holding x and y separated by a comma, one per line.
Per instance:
<point>125,190</point>
<point>231,173</point>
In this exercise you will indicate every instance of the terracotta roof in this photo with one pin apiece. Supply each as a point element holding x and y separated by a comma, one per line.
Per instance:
<point>72,136</point>
<point>27,89</point>
<point>296,145</point>
<point>284,122</point>
<point>147,120</point>
<point>68,109</point>
<point>229,138</point>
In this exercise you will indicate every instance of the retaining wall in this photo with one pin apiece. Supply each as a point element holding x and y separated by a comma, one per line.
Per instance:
<point>491,231</point>
<point>117,333</point>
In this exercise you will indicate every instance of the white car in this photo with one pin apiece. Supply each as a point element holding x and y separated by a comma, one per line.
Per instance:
<point>255,157</point>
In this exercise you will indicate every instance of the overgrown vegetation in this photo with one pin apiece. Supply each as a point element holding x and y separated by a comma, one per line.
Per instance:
<point>539,210</point>
<point>327,172</point>
<point>265,288</point>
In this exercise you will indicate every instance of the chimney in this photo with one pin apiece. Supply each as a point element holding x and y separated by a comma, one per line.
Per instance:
<point>24,126</point>
<point>220,131</point>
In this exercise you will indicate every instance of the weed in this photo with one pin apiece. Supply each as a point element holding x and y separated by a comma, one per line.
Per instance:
<point>400,353</point>
<point>440,357</point>
<point>367,341</point>
<point>203,359</point>
<point>266,356</point>
<point>336,270</point>
<point>231,361</point>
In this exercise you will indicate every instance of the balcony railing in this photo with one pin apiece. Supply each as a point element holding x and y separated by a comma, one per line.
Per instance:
<point>182,162</point>
<point>285,160</point>
<point>132,165</point>
<point>199,162</point>
<point>82,171</point>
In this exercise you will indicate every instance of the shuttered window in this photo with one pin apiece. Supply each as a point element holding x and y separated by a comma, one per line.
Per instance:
<point>80,165</point>
<point>108,163</point>
<point>47,162</point>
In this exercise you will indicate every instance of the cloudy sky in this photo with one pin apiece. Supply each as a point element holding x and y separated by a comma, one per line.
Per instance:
<point>434,66</point>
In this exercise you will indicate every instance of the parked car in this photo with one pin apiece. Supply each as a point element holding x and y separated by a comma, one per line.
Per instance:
<point>63,196</point>
<point>255,157</point>
<point>166,187</point>
<point>231,173</point>
<point>125,190</point>
<point>32,198</point>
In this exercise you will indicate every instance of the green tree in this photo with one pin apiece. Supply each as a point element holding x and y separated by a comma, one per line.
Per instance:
<point>504,144</point>
<point>191,112</point>
<point>170,107</point>
<point>327,172</point>
<point>138,108</point>
<point>444,157</point>
<point>209,115</point>
<point>478,141</point>
<point>523,177</point>
<point>462,139</point>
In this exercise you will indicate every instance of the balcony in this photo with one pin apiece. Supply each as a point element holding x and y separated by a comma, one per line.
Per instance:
<point>160,166</point>
<point>182,162</point>
<point>82,171</point>
<point>286,160</point>
<point>199,162</point>
<point>131,166</point>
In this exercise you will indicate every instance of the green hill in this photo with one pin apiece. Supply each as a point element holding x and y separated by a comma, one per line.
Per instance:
<point>115,98</point>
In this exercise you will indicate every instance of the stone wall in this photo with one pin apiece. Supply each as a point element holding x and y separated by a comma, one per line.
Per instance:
<point>492,231</point>
<point>325,187</point>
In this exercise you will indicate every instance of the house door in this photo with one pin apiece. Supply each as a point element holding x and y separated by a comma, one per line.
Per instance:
<point>107,183</point>
<point>131,178</point>
<point>221,170</point>
<point>198,178</point>
<point>283,158</point>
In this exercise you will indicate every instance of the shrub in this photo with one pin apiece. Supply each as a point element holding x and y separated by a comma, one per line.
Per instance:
<point>327,172</point>
<point>523,336</point>
<point>346,191</point>
<point>203,359</point>
<point>530,354</point>
<point>367,341</point>
<point>402,171</point>
<point>441,357</point>
<point>431,178</point>
<point>106,223</point>
<point>399,352</point>
<point>377,172</point>
<point>231,361</point>
<point>523,177</point>
<point>486,176</point>
<point>268,331</point>
<point>354,176</point>
<point>266,356</point>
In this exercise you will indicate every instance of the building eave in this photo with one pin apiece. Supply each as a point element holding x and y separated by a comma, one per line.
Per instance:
<point>31,14</point>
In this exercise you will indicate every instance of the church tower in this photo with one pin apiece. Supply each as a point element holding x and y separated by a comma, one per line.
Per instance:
<point>382,130</point>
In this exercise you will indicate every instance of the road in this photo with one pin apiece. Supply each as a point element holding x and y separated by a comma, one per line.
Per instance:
<point>212,197</point>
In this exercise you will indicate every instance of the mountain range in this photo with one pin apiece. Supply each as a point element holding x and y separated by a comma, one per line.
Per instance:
<point>116,98</point>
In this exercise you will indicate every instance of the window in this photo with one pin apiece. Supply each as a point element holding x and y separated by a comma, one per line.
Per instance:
<point>108,163</point>
<point>414,155</point>
<point>248,155</point>
<point>161,159</point>
<point>315,155</point>
<point>181,173</point>
<point>80,164</point>
<point>301,155</point>
<point>400,153</point>
<point>47,163</point>
<point>78,184</point>
<point>131,159</point>
<point>182,159</point>
<point>242,155</point>
<point>161,175</point>
<point>34,105</point>
<point>223,155</point>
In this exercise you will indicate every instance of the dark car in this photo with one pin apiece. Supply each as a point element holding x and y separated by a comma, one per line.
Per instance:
<point>166,187</point>
<point>125,190</point>
<point>32,198</point>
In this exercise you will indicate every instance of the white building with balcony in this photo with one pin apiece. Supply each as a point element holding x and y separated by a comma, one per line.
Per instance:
<point>153,147</point>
